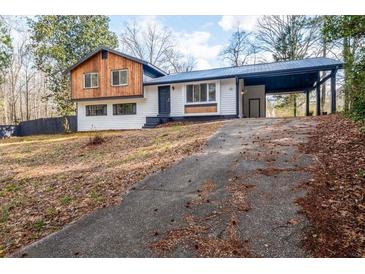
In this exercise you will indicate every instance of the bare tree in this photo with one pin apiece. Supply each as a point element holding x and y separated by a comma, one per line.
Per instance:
<point>23,94</point>
<point>13,81</point>
<point>178,62</point>
<point>288,37</point>
<point>240,49</point>
<point>155,44</point>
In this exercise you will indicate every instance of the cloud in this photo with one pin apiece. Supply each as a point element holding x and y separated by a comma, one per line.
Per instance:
<point>245,22</point>
<point>196,44</point>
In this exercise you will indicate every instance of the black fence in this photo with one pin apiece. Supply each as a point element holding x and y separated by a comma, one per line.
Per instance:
<point>39,126</point>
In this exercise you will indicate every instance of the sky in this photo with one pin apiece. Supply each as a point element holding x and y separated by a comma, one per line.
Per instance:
<point>202,37</point>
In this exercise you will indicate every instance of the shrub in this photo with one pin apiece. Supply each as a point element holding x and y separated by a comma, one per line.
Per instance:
<point>96,139</point>
<point>358,108</point>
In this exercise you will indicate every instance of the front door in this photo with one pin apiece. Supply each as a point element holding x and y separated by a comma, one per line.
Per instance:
<point>164,100</point>
<point>254,108</point>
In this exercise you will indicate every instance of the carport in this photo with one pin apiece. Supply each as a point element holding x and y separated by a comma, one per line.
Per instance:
<point>301,76</point>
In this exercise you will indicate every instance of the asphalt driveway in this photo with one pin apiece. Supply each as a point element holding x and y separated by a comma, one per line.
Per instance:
<point>260,156</point>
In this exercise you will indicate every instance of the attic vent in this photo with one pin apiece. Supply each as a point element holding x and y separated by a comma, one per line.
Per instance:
<point>104,54</point>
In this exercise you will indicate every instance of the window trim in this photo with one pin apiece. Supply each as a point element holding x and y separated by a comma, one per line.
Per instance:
<point>83,80</point>
<point>106,114</point>
<point>111,77</point>
<point>201,102</point>
<point>125,104</point>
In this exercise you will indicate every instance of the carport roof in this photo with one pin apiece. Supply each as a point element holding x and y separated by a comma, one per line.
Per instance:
<point>303,67</point>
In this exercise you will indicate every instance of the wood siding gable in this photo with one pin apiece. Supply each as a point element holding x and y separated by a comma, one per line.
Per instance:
<point>104,67</point>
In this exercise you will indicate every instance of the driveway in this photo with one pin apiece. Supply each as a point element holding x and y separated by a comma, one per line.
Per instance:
<point>235,198</point>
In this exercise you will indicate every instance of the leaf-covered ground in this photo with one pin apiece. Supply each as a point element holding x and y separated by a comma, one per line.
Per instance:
<point>47,182</point>
<point>335,203</point>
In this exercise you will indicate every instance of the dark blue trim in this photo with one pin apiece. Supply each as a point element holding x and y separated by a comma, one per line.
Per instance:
<point>237,96</point>
<point>307,102</point>
<point>318,95</point>
<point>151,72</point>
<point>333,91</point>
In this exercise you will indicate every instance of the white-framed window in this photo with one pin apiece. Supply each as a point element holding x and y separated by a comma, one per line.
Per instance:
<point>96,110</point>
<point>125,109</point>
<point>201,93</point>
<point>119,77</point>
<point>91,80</point>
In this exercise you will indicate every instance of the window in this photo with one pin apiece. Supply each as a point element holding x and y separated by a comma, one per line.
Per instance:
<point>91,80</point>
<point>96,110</point>
<point>120,77</point>
<point>211,89</point>
<point>124,109</point>
<point>200,93</point>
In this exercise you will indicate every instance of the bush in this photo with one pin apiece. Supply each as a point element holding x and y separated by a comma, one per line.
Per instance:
<point>358,108</point>
<point>96,139</point>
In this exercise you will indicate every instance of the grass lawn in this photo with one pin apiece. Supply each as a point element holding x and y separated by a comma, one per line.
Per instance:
<point>49,181</point>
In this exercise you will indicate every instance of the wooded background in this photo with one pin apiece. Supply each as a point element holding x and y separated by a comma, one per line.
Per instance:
<point>35,52</point>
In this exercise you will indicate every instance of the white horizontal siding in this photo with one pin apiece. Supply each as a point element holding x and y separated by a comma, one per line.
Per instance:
<point>228,97</point>
<point>225,95</point>
<point>147,106</point>
<point>177,100</point>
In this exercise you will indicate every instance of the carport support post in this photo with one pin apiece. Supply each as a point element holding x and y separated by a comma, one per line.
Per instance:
<point>333,91</point>
<point>318,94</point>
<point>307,102</point>
<point>237,97</point>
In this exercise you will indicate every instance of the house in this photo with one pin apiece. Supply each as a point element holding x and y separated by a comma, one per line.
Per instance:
<point>117,91</point>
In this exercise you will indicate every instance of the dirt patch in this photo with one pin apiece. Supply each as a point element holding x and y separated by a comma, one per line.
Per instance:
<point>238,197</point>
<point>335,203</point>
<point>203,193</point>
<point>96,139</point>
<point>47,182</point>
<point>272,171</point>
<point>197,237</point>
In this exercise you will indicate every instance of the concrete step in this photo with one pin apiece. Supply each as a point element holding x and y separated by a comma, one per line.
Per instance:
<point>149,125</point>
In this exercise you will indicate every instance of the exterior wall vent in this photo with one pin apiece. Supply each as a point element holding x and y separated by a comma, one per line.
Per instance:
<point>104,54</point>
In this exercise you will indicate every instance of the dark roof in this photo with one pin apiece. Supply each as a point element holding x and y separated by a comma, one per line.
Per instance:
<point>144,63</point>
<point>265,69</point>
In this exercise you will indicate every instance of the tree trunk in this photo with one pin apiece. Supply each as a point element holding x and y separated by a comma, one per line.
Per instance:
<point>295,105</point>
<point>323,90</point>
<point>27,96</point>
<point>66,125</point>
<point>347,72</point>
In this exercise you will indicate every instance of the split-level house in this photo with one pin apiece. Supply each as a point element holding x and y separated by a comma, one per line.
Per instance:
<point>117,91</point>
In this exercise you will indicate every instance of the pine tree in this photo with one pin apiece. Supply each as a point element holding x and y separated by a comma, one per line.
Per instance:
<point>59,42</point>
